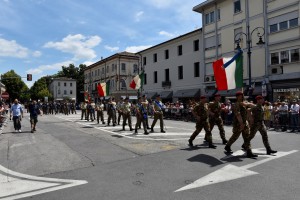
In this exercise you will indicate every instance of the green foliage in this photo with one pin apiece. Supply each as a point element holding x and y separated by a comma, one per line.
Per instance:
<point>39,90</point>
<point>15,86</point>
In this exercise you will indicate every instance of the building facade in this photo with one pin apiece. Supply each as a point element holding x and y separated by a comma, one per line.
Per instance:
<point>117,70</point>
<point>63,88</point>
<point>273,65</point>
<point>172,68</point>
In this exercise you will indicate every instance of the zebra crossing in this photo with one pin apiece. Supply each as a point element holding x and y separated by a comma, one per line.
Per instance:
<point>174,130</point>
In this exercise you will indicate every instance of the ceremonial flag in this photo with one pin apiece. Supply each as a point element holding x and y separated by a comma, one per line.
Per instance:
<point>137,81</point>
<point>228,72</point>
<point>103,89</point>
<point>86,96</point>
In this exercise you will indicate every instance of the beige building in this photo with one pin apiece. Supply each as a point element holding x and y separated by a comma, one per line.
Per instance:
<point>63,88</point>
<point>172,68</point>
<point>117,70</point>
<point>275,64</point>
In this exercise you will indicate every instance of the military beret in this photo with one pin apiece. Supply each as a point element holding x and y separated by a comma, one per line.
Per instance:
<point>217,95</point>
<point>203,97</point>
<point>258,97</point>
<point>239,93</point>
<point>144,95</point>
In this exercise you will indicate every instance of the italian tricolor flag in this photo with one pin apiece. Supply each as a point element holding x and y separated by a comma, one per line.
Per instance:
<point>103,89</point>
<point>229,72</point>
<point>137,81</point>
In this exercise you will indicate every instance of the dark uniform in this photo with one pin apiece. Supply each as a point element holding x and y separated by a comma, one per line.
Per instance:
<point>200,111</point>
<point>215,118</point>
<point>111,112</point>
<point>126,112</point>
<point>240,113</point>
<point>258,125</point>
<point>120,111</point>
<point>141,116</point>
<point>158,114</point>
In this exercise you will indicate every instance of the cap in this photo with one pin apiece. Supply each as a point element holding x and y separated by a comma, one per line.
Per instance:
<point>158,95</point>
<point>217,95</point>
<point>203,97</point>
<point>258,97</point>
<point>239,93</point>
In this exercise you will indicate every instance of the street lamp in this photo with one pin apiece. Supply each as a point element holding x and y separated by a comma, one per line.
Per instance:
<point>237,39</point>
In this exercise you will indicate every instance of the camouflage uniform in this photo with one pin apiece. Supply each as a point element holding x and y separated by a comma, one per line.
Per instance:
<point>215,107</point>
<point>111,111</point>
<point>120,111</point>
<point>141,117</point>
<point>158,114</point>
<point>126,112</point>
<point>99,108</point>
<point>201,111</point>
<point>83,110</point>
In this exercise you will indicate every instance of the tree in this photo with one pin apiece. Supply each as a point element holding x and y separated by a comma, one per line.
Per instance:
<point>15,86</point>
<point>40,90</point>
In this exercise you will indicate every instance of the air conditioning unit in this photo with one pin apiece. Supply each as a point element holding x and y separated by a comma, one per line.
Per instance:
<point>209,78</point>
<point>276,70</point>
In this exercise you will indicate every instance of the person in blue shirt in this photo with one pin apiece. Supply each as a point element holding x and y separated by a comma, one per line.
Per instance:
<point>34,111</point>
<point>16,112</point>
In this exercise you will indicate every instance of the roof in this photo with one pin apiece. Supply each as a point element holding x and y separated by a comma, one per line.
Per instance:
<point>121,54</point>
<point>181,36</point>
<point>199,8</point>
<point>63,79</point>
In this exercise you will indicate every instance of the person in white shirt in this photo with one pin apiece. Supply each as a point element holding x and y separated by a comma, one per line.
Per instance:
<point>294,111</point>
<point>283,116</point>
<point>17,112</point>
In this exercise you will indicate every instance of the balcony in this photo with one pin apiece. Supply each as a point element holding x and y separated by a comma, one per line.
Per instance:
<point>166,84</point>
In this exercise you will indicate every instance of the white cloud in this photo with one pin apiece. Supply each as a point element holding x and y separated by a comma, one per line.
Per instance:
<point>161,3</point>
<point>112,49</point>
<point>138,16</point>
<point>135,49</point>
<point>165,33</point>
<point>56,66</point>
<point>36,53</point>
<point>79,45</point>
<point>12,49</point>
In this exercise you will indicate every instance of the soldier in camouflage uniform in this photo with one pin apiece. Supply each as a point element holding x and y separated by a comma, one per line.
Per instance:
<point>158,114</point>
<point>215,117</point>
<point>83,106</point>
<point>111,111</point>
<point>120,110</point>
<point>99,109</point>
<point>200,111</point>
<point>257,124</point>
<point>240,125</point>
<point>141,116</point>
<point>126,112</point>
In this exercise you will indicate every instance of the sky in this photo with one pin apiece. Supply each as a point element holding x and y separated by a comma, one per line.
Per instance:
<point>38,37</point>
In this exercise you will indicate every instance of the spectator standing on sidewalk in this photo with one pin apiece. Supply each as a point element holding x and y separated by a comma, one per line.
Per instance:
<point>294,110</point>
<point>34,111</point>
<point>16,112</point>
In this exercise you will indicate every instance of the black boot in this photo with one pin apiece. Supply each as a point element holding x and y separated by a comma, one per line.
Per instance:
<point>228,149</point>
<point>225,141</point>
<point>131,129</point>
<point>146,133</point>
<point>243,147</point>
<point>270,151</point>
<point>135,132</point>
<point>250,154</point>
<point>162,131</point>
<point>191,143</point>
<point>123,128</point>
<point>152,130</point>
<point>210,145</point>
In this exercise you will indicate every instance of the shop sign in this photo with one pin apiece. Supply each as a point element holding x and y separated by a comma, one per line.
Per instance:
<point>287,90</point>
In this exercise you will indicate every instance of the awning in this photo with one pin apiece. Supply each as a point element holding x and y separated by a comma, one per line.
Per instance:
<point>187,93</point>
<point>166,94</point>
<point>150,95</point>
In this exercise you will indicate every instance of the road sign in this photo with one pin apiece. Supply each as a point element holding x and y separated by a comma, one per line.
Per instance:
<point>5,95</point>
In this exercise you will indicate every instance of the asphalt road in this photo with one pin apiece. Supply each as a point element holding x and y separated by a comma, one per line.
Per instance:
<point>69,158</point>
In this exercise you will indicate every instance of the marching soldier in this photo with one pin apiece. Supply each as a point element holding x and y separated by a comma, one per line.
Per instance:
<point>111,111</point>
<point>158,114</point>
<point>257,124</point>
<point>146,106</point>
<point>83,110</point>
<point>73,107</point>
<point>91,111</point>
<point>240,125</point>
<point>126,112</point>
<point>215,117</point>
<point>141,116</point>
<point>200,111</point>
<point>119,109</point>
<point>99,109</point>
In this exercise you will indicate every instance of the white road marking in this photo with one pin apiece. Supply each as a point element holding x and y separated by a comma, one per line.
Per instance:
<point>14,185</point>
<point>231,172</point>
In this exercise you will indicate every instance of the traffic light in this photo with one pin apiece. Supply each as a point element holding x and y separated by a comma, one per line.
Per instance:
<point>29,77</point>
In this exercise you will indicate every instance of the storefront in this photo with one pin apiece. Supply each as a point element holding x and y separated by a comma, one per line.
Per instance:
<point>286,90</point>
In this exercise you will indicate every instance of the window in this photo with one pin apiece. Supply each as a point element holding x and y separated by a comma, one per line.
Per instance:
<point>113,67</point>
<point>107,69</point>
<point>71,84</point>
<point>155,57</point>
<point>219,14</point>
<point>273,28</point>
<point>237,6</point>
<point>135,68</point>
<point>144,60</point>
<point>274,58</point>
<point>71,92</point>
<point>92,74</point>
<point>207,19</point>
<point>180,72</point>
<point>145,79</point>
<point>167,54</point>
<point>196,69</point>
<point>210,17</point>
<point>98,72</point>
<point>284,56</point>
<point>283,25</point>
<point>103,70</point>
<point>167,75</point>
<point>196,45</point>
<point>58,91</point>
<point>295,55</point>
<point>155,77</point>
<point>293,22</point>
<point>123,67</point>
<point>65,84</point>
<point>65,92</point>
<point>179,49</point>
<point>58,84</point>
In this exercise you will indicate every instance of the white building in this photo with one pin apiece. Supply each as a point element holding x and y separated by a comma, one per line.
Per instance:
<point>63,88</point>
<point>172,68</point>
